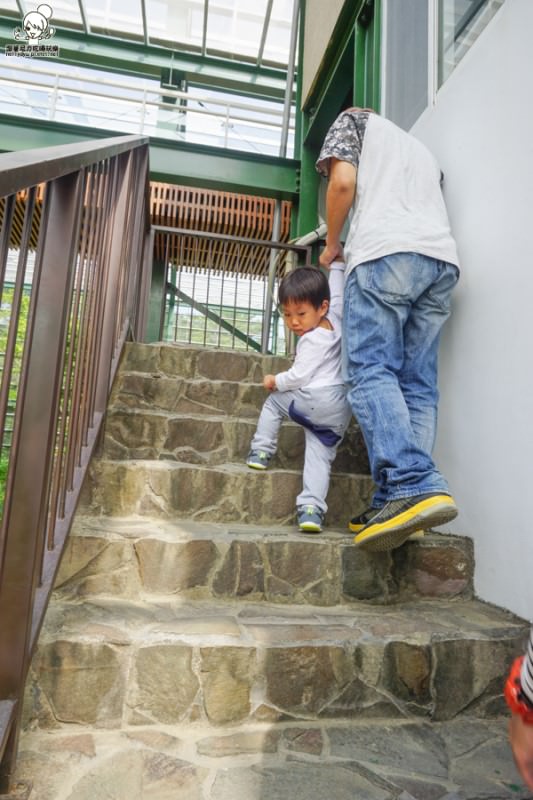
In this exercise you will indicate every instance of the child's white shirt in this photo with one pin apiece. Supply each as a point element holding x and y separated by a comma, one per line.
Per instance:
<point>318,353</point>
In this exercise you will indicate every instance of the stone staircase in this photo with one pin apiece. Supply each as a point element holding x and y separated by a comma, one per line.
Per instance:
<point>198,646</point>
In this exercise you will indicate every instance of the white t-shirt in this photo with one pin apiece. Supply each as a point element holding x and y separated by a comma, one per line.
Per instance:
<point>318,353</point>
<point>398,206</point>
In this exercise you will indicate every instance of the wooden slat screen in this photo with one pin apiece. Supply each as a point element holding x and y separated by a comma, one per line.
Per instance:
<point>239,215</point>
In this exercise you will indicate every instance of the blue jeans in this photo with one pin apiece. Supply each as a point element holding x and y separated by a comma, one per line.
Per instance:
<point>394,310</point>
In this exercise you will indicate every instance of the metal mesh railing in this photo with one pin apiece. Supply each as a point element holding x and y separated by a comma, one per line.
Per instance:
<point>221,290</point>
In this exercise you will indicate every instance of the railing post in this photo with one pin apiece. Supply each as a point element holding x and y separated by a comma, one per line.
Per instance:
<point>142,321</point>
<point>33,440</point>
<point>114,247</point>
<point>136,300</point>
<point>276,228</point>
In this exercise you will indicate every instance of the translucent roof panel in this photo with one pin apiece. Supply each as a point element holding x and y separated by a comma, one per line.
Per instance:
<point>10,5</point>
<point>235,26</point>
<point>279,32</point>
<point>115,16</point>
<point>63,11</point>
<point>251,30</point>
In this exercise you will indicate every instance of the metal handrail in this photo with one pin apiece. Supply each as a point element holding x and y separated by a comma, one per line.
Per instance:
<point>89,292</point>
<point>25,168</point>
<point>139,108</point>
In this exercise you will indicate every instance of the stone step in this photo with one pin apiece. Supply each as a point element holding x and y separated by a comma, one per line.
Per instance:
<point>461,759</point>
<point>190,361</point>
<point>155,392</point>
<point>112,662</point>
<point>224,493</point>
<point>149,558</point>
<point>207,439</point>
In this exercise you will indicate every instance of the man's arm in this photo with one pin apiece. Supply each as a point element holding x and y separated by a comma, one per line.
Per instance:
<point>340,195</point>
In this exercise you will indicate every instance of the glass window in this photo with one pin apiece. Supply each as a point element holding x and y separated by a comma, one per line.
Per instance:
<point>460,23</point>
<point>406,61</point>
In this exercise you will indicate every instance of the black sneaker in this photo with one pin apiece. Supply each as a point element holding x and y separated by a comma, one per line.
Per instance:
<point>357,523</point>
<point>398,519</point>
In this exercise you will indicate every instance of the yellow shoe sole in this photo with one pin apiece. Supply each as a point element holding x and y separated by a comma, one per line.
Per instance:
<point>429,513</point>
<point>412,537</point>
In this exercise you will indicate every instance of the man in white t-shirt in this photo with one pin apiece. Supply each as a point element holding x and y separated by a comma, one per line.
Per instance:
<point>401,266</point>
<point>312,391</point>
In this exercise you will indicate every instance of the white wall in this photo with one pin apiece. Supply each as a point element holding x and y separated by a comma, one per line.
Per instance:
<point>481,130</point>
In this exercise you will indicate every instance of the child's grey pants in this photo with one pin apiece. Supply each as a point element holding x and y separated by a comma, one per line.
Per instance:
<point>325,406</point>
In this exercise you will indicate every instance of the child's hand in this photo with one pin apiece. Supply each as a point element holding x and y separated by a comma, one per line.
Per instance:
<point>269,382</point>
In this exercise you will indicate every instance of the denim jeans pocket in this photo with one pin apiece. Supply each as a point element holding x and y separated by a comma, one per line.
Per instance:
<point>440,292</point>
<point>391,277</point>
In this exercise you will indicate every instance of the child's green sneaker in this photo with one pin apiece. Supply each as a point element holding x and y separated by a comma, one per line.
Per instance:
<point>310,519</point>
<point>257,459</point>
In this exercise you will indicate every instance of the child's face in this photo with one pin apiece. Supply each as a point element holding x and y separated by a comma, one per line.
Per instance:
<point>301,316</point>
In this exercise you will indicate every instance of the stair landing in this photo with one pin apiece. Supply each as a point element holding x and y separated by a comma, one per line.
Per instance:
<point>372,760</point>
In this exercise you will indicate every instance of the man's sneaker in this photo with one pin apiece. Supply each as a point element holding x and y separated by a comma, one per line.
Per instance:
<point>310,519</point>
<point>357,524</point>
<point>398,519</point>
<point>257,459</point>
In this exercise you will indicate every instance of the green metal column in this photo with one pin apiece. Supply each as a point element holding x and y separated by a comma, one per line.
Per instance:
<point>156,305</point>
<point>366,86</point>
<point>349,75</point>
<point>307,214</point>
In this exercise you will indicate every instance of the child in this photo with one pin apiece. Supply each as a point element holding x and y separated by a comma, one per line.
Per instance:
<point>312,391</point>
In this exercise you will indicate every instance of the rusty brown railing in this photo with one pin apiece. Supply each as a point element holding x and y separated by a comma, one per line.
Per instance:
<point>82,258</point>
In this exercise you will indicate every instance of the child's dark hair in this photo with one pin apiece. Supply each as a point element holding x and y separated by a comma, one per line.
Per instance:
<point>304,284</point>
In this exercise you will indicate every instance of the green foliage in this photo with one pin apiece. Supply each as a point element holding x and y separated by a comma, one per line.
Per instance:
<point>6,309</point>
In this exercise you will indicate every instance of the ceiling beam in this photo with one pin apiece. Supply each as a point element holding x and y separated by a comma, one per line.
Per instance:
<point>204,32</point>
<point>264,33</point>
<point>136,58</point>
<point>83,13</point>
<point>145,23</point>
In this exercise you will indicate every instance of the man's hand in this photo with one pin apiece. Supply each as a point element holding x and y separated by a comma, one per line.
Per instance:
<point>521,736</point>
<point>269,382</point>
<point>330,253</point>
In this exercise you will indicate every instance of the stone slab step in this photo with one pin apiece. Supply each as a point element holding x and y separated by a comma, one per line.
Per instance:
<point>112,662</point>
<point>190,361</point>
<point>153,391</point>
<point>227,492</point>
<point>150,558</point>
<point>208,439</point>
<point>465,759</point>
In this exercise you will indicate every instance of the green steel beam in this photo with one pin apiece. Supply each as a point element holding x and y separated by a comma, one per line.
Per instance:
<point>230,170</point>
<point>149,61</point>
<point>173,162</point>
